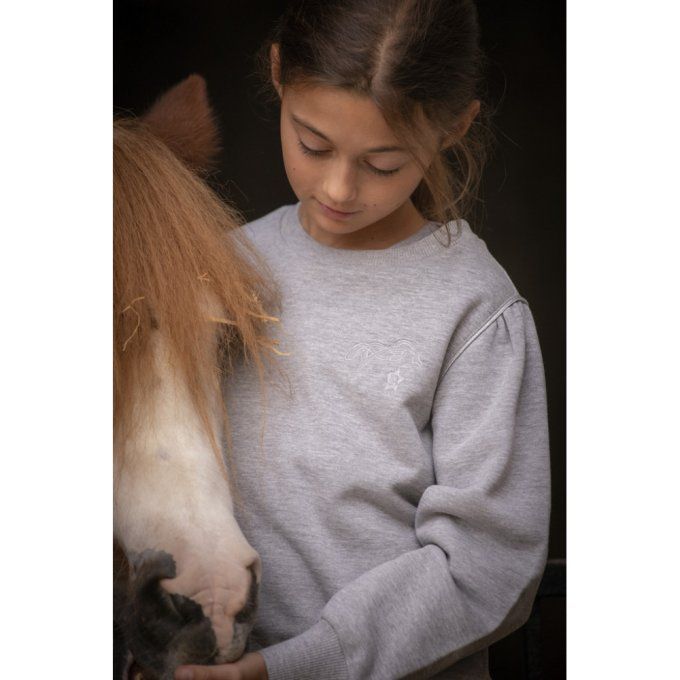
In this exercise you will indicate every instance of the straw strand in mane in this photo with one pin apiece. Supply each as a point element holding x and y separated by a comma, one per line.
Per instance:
<point>176,253</point>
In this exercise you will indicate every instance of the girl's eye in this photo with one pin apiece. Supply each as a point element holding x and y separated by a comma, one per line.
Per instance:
<point>311,152</point>
<point>320,152</point>
<point>377,171</point>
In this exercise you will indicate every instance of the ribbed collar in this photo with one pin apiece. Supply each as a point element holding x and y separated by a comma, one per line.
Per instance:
<point>293,234</point>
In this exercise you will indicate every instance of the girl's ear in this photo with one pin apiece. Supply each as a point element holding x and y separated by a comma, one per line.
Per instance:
<point>463,125</point>
<point>275,67</point>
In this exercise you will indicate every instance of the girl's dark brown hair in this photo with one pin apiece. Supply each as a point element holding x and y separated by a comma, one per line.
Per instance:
<point>413,58</point>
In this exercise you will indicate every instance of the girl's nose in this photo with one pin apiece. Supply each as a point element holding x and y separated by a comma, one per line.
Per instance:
<point>340,183</point>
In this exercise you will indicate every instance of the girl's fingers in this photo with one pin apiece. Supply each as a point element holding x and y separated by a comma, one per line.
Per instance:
<point>224,672</point>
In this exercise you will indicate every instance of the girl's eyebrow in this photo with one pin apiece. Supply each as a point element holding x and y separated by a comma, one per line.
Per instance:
<point>379,149</point>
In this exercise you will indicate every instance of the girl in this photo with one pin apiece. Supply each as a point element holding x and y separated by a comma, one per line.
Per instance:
<point>398,491</point>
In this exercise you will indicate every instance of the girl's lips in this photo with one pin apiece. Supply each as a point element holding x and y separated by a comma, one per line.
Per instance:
<point>335,213</point>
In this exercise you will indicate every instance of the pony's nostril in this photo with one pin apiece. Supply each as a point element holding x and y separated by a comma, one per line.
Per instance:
<point>190,611</point>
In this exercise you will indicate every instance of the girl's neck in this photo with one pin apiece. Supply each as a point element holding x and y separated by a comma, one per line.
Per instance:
<point>390,230</point>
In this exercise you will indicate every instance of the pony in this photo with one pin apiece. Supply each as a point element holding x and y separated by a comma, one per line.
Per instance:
<point>189,297</point>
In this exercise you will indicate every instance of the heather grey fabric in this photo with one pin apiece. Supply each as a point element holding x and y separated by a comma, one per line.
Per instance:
<point>398,488</point>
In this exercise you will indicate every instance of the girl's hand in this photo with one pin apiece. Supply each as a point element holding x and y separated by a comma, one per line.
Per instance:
<point>248,667</point>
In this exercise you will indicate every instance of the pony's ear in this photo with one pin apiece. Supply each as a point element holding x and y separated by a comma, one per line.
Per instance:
<point>183,118</point>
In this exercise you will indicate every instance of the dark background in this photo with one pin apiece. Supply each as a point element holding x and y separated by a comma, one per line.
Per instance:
<point>159,42</point>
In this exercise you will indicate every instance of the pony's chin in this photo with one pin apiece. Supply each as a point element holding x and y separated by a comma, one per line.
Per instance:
<point>228,658</point>
<point>236,647</point>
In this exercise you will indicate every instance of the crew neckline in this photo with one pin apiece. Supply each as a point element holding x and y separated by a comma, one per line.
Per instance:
<point>293,233</point>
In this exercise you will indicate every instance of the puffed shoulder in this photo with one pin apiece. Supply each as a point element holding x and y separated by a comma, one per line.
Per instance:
<point>510,332</point>
<point>490,406</point>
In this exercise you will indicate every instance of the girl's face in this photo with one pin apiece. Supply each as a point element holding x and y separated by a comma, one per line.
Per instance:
<point>340,155</point>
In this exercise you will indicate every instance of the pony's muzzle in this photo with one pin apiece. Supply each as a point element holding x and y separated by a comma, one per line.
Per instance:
<point>163,630</point>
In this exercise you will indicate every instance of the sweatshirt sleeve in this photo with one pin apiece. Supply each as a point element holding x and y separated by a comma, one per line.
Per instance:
<point>482,528</point>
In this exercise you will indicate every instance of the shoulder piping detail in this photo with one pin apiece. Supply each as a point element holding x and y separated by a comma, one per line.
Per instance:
<point>485,325</point>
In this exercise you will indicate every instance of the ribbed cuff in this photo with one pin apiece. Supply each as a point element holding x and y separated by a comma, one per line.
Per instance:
<point>313,655</point>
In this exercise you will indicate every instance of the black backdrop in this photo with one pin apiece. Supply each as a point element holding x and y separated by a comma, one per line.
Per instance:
<point>159,42</point>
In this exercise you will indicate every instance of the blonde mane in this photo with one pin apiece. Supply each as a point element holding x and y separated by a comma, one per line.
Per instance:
<point>179,268</point>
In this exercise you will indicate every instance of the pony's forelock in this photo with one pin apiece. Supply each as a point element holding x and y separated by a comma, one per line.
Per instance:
<point>180,268</point>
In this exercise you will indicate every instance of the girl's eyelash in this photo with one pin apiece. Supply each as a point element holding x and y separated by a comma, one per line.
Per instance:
<point>310,152</point>
<point>315,152</point>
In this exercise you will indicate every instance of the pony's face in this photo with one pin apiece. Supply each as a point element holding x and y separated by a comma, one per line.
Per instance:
<point>183,295</point>
<point>191,595</point>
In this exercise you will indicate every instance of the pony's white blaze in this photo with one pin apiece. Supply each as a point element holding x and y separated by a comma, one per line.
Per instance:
<point>172,495</point>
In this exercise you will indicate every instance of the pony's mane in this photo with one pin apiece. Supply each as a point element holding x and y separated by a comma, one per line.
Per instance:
<point>175,249</point>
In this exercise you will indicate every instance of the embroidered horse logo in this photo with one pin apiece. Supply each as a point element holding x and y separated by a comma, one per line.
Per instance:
<point>401,356</point>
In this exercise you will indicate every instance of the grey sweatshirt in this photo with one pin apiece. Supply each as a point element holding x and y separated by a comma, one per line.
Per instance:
<point>396,480</point>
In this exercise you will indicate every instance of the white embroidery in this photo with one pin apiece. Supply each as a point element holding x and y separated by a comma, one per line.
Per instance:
<point>393,380</point>
<point>401,353</point>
